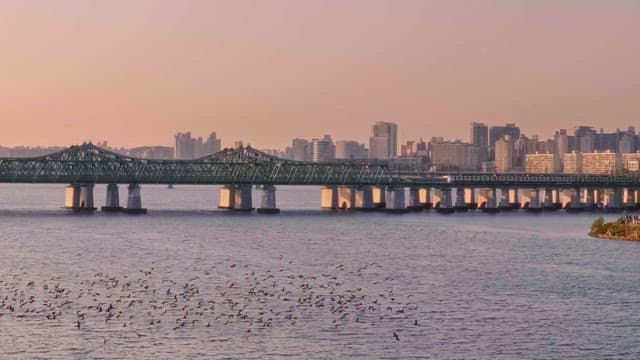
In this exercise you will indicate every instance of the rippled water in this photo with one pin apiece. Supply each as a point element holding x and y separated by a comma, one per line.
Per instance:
<point>306,283</point>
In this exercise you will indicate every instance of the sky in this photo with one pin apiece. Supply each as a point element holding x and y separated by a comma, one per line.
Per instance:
<point>135,72</point>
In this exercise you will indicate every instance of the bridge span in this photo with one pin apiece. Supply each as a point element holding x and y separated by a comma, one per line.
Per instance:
<point>345,184</point>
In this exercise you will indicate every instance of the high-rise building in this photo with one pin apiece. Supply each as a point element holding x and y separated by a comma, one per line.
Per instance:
<point>480,138</point>
<point>414,148</point>
<point>572,163</point>
<point>185,147</point>
<point>600,163</point>
<point>188,148</point>
<point>383,144</point>
<point>498,132</point>
<point>542,163</point>
<point>323,149</point>
<point>479,134</point>
<point>346,149</point>
<point>631,161</point>
<point>300,150</point>
<point>504,154</point>
<point>453,155</point>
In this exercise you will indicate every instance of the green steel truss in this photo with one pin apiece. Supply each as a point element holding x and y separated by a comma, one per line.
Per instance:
<point>88,163</point>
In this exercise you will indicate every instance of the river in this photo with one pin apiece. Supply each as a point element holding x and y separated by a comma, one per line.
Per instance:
<point>188,280</point>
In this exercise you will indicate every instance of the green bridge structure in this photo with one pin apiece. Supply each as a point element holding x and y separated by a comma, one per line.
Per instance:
<point>357,184</point>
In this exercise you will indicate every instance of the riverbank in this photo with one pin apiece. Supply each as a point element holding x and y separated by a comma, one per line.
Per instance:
<point>625,228</point>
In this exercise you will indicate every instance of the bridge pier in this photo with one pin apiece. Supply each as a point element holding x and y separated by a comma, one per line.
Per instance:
<point>487,200</point>
<point>515,204</point>
<point>346,197</point>
<point>268,204</point>
<point>112,202</point>
<point>329,197</point>
<point>531,199</point>
<point>445,204</point>
<point>79,197</point>
<point>504,204</point>
<point>364,198</point>
<point>460,204</point>
<point>134,201</point>
<point>395,200</point>
<point>630,200</point>
<point>425,198</point>
<point>547,202</point>
<point>414,200</point>
<point>379,197</point>
<point>575,204</point>
<point>470,198</point>
<point>613,199</point>
<point>243,198</point>
<point>227,197</point>
<point>589,199</point>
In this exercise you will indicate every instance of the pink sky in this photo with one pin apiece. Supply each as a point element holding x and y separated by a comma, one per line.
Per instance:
<point>136,72</point>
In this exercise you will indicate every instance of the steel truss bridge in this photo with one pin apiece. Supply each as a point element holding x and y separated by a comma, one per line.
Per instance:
<point>88,163</point>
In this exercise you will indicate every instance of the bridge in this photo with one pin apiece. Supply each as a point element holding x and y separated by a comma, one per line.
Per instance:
<point>345,184</point>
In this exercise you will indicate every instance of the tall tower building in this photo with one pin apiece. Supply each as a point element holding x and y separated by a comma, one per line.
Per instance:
<point>383,143</point>
<point>185,147</point>
<point>504,154</point>
<point>480,138</point>
<point>498,132</point>
<point>323,149</point>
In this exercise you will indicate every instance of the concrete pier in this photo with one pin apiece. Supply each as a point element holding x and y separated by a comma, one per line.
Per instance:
<point>414,200</point>
<point>227,197</point>
<point>575,201</point>
<point>329,197</point>
<point>425,198</point>
<point>460,203</point>
<point>487,200</point>
<point>445,203</point>
<point>504,203</point>
<point>547,202</point>
<point>364,198</point>
<point>589,199</point>
<point>630,200</point>
<point>346,197</point>
<point>379,197</point>
<point>112,201</point>
<point>134,201</point>
<point>268,203</point>
<point>470,198</point>
<point>395,200</point>
<point>243,198</point>
<point>79,197</point>
<point>614,199</point>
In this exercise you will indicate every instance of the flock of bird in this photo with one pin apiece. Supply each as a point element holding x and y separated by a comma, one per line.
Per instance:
<point>149,301</point>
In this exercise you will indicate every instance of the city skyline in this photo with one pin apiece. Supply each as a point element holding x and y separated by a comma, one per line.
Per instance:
<point>266,73</point>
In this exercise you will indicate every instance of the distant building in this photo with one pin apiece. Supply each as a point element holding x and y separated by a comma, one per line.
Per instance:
<point>498,132</point>
<point>631,161</point>
<point>504,155</point>
<point>346,149</point>
<point>572,163</point>
<point>453,155</point>
<point>323,149</point>
<point>151,152</point>
<point>601,162</point>
<point>414,148</point>
<point>187,148</point>
<point>300,150</point>
<point>383,144</point>
<point>542,163</point>
<point>480,138</point>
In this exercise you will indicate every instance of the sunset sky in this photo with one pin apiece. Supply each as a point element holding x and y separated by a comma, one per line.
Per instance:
<point>135,72</point>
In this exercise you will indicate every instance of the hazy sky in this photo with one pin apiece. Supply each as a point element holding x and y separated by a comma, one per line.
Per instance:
<point>135,72</point>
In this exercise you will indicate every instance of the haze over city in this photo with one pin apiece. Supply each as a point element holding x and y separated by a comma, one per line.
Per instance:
<point>266,72</point>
